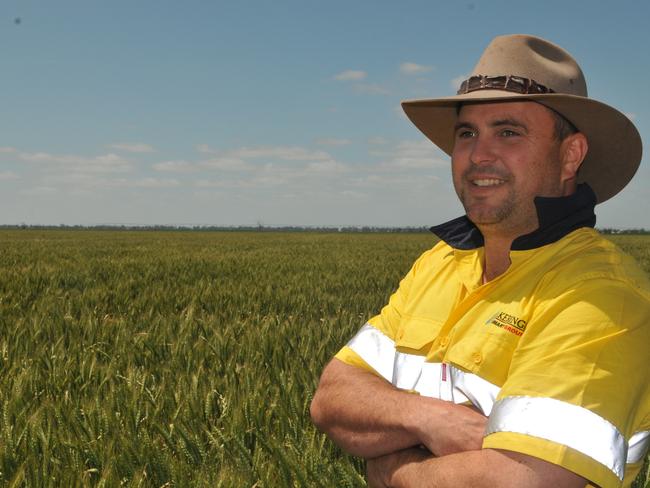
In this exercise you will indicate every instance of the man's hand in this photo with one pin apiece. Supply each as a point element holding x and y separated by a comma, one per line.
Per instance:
<point>456,428</point>
<point>368,417</point>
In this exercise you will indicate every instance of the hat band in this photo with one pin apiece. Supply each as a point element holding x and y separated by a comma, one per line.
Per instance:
<point>511,83</point>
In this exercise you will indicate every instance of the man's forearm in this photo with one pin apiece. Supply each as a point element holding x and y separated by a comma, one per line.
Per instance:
<point>412,468</point>
<point>487,468</point>
<point>368,417</point>
<point>361,412</point>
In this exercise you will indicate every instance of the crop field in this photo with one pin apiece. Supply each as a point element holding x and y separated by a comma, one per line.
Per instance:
<point>183,358</point>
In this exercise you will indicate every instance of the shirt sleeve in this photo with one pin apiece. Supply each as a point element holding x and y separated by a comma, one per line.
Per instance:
<point>373,346</point>
<point>577,394</point>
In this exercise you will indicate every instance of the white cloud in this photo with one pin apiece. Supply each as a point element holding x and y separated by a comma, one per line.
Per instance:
<point>238,157</point>
<point>351,75</point>
<point>285,153</point>
<point>227,164</point>
<point>154,183</point>
<point>77,179</point>
<point>286,174</point>
<point>262,181</point>
<point>371,89</point>
<point>40,191</point>
<point>203,183</point>
<point>333,142</point>
<point>8,175</point>
<point>298,170</point>
<point>378,141</point>
<point>455,82</point>
<point>408,181</point>
<point>107,163</point>
<point>225,184</point>
<point>7,150</point>
<point>267,181</point>
<point>414,68</point>
<point>147,182</point>
<point>134,147</point>
<point>354,194</point>
<point>174,166</point>
<point>205,149</point>
<point>414,155</point>
<point>327,167</point>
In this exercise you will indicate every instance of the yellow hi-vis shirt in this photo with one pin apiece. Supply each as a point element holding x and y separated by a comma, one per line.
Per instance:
<point>554,351</point>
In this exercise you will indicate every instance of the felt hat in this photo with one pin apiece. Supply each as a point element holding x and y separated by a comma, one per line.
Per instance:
<point>522,67</point>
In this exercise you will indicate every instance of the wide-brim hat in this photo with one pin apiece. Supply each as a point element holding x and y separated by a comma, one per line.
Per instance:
<point>522,67</point>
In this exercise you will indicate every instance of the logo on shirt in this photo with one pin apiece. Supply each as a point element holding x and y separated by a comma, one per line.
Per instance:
<point>508,322</point>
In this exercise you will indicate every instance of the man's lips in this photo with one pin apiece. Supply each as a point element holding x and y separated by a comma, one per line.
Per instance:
<point>486,177</point>
<point>487,182</point>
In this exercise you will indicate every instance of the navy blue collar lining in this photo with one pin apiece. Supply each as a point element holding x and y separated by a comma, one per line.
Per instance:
<point>557,217</point>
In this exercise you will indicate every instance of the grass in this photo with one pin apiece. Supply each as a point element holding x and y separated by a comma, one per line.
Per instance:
<point>182,358</point>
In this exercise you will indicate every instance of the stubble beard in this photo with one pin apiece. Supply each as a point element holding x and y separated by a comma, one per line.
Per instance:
<point>506,217</point>
<point>484,213</point>
<point>479,210</point>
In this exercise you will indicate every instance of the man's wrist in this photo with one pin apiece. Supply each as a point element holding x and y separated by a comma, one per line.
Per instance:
<point>404,467</point>
<point>419,415</point>
<point>414,413</point>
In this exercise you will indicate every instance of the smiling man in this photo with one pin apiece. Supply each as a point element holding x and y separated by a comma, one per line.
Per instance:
<point>514,352</point>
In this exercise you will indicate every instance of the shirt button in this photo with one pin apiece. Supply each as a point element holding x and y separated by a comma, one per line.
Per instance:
<point>477,357</point>
<point>444,341</point>
<point>400,335</point>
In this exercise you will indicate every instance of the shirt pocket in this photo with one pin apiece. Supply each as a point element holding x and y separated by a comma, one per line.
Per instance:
<point>417,334</point>
<point>488,356</point>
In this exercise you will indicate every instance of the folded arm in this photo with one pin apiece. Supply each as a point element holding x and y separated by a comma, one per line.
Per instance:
<point>483,468</point>
<point>368,417</point>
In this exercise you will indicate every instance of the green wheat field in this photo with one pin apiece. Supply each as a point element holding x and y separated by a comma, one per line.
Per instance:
<point>165,359</point>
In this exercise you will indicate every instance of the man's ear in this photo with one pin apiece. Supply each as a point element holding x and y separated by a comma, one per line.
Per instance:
<point>573,151</point>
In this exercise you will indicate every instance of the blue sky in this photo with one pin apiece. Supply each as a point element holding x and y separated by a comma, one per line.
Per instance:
<point>281,113</point>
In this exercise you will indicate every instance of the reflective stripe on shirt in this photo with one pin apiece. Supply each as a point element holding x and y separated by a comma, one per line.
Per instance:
<point>562,423</point>
<point>639,444</point>
<point>570,425</point>
<point>413,372</point>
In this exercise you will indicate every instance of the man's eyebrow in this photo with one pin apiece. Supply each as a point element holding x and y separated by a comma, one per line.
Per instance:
<point>508,121</point>
<point>463,125</point>
<point>495,123</point>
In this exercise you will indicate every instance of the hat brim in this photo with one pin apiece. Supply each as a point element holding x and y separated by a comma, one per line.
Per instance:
<point>615,146</point>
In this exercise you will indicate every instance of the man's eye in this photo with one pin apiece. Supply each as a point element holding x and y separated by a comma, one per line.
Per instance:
<point>509,133</point>
<point>464,134</point>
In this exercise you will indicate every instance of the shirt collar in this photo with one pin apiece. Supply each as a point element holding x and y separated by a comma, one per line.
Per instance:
<point>557,217</point>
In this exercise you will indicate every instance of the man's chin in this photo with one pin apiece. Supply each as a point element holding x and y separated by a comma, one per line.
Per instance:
<point>485,216</point>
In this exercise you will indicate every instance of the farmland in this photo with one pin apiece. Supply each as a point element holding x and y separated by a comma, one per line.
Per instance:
<point>183,358</point>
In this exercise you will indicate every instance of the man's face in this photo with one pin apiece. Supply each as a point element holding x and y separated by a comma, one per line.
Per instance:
<point>505,154</point>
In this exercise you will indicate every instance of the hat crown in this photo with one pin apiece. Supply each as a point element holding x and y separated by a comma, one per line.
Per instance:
<point>534,58</point>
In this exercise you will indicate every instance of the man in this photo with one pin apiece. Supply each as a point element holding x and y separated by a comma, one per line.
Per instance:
<point>515,352</point>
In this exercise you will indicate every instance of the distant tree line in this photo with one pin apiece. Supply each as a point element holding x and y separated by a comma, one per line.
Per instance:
<point>263,228</point>
<point>608,230</point>
<point>217,228</point>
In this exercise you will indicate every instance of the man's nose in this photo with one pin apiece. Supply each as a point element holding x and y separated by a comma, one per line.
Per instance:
<point>482,150</point>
